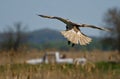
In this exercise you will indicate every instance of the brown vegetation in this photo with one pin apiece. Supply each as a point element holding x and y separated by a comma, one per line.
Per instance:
<point>93,56</point>
<point>12,66</point>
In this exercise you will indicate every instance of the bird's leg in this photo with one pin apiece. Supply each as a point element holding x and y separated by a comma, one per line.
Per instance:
<point>69,42</point>
<point>67,27</point>
<point>73,44</point>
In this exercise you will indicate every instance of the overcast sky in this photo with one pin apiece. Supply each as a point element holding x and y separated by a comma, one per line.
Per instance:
<point>79,11</point>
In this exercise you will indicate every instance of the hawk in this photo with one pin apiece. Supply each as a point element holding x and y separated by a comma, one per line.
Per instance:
<point>73,33</point>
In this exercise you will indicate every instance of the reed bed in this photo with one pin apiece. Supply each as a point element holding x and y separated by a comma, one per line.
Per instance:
<point>100,65</point>
<point>101,70</point>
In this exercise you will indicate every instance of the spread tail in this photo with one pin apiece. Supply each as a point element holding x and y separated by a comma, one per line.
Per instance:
<point>76,37</point>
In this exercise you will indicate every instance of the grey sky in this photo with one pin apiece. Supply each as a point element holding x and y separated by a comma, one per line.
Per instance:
<point>79,11</point>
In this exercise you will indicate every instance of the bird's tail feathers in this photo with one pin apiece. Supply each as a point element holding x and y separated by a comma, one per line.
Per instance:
<point>83,39</point>
<point>76,38</point>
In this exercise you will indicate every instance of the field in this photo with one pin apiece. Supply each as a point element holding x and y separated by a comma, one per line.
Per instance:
<point>100,65</point>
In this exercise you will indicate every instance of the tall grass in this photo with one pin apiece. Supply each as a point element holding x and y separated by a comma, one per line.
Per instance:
<point>100,66</point>
<point>101,70</point>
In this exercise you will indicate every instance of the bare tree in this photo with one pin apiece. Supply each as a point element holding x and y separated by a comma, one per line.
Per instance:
<point>112,20</point>
<point>13,37</point>
<point>7,39</point>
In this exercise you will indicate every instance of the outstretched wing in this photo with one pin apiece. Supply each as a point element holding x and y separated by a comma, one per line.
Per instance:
<point>95,27</point>
<point>44,16</point>
<point>66,21</point>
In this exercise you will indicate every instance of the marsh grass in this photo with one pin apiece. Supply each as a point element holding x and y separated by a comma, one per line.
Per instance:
<point>102,70</point>
<point>101,65</point>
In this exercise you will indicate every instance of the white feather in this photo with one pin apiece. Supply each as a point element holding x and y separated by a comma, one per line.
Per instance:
<point>76,37</point>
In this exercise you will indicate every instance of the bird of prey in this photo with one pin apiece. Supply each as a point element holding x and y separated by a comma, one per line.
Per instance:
<point>73,33</point>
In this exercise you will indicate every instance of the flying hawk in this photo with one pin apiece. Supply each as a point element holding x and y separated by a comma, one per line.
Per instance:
<point>72,32</point>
